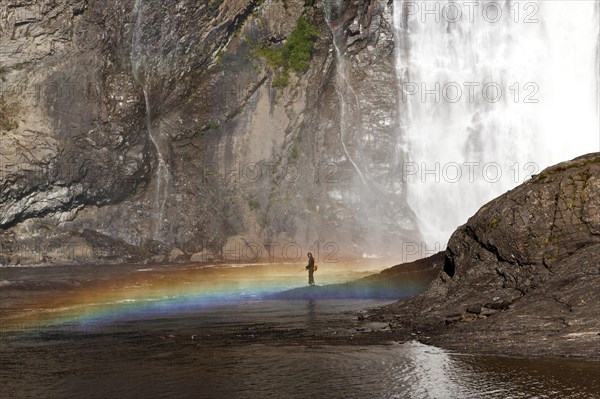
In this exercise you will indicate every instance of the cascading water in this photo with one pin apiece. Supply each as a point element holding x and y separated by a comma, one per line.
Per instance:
<point>344,90</point>
<point>491,92</point>
<point>142,61</point>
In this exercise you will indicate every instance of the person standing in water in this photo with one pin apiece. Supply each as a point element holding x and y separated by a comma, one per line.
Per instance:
<point>311,269</point>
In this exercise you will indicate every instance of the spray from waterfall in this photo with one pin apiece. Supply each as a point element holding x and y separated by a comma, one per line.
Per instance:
<point>491,92</point>
<point>141,60</point>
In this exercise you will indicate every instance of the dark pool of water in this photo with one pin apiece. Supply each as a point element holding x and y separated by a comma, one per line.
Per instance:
<point>134,367</point>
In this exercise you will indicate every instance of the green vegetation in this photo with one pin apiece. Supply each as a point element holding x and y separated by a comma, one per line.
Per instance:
<point>220,55</point>
<point>295,54</point>
<point>297,51</point>
<point>495,223</point>
<point>294,152</point>
<point>273,56</point>
<point>281,80</point>
<point>6,122</point>
<point>214,4</point>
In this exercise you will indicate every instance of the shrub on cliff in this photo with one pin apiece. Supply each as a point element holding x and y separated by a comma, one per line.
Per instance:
<point>295,54</point>
<point>297,51</point>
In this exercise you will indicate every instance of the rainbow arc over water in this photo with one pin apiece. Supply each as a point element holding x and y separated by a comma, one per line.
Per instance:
<point>163,291</point>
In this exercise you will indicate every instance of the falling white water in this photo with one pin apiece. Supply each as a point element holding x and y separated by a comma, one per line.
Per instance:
<point>468,146</point>
<point>141,53</point>
<point>343,87</point>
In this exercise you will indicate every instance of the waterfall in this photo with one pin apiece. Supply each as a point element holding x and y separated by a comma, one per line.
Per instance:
<point>491,92</point>
<point>343,87</point>
<point>142,61</point>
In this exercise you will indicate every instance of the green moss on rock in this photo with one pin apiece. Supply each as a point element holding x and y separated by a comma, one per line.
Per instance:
<point>6,122</point>
<point>295,54</point>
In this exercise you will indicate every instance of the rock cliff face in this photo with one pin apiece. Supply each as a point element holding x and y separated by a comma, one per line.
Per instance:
<point>139,130</point>
<point>522,275</point>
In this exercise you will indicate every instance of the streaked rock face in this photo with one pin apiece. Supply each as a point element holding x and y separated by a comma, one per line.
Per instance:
<point>136,127</point>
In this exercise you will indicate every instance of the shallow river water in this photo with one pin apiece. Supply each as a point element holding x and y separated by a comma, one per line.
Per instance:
<point>209,332</point>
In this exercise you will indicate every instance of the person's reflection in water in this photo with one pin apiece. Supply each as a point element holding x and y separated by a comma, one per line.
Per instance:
<point>311,313</point>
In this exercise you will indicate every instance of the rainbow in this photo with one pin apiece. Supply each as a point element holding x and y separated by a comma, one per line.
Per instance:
<point>151,292</point>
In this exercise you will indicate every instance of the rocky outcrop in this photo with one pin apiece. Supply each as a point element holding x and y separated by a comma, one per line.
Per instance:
<point>162,128</point>
<point>522,275</point>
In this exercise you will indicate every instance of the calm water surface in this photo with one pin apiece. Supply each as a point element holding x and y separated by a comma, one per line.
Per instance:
<point>197,332</point>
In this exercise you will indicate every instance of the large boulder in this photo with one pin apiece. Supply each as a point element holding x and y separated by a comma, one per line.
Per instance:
<point>529,261</point>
